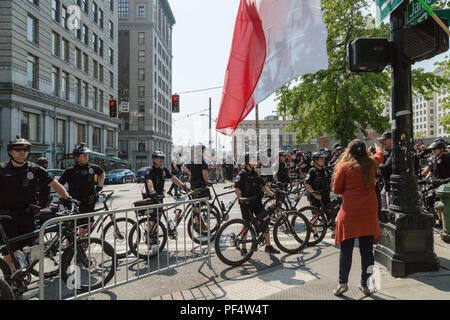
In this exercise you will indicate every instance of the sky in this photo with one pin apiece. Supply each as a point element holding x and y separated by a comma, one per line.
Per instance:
<point>201,46</point>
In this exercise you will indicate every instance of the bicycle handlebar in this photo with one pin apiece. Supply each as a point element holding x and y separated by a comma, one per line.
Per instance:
<point>229,187</point>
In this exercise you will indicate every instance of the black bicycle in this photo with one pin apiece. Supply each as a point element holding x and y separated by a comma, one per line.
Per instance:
<point>149,235</point>
<point>224,209</point>
<point>92,257</point>
<point>427,196</point>
<point>291,233</point>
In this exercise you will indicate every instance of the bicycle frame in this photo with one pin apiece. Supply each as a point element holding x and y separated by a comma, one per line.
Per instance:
<point>216,199</point>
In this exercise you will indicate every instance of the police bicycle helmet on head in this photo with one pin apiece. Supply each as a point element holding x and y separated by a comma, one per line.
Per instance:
<point>158,153</point>
<point>17,142</point>
<point>80,149</point>
<point>41,161</point>
<point>335,145</point>
<point>438,144</point>
<point>317,155</point>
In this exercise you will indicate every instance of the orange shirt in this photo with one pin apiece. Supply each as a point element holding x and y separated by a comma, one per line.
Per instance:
<point>358,215</point>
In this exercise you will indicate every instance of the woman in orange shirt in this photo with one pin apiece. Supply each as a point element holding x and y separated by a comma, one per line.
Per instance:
<point>354,179</point>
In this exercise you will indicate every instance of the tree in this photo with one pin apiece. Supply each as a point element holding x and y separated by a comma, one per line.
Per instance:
<point>419,135</point>
<point>445,67</point>
<point>337,101</point>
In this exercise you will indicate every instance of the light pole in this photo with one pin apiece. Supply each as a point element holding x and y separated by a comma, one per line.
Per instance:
<point>210,119</point>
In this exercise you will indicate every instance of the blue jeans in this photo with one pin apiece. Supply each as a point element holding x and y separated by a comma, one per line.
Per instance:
<point>345,259</point>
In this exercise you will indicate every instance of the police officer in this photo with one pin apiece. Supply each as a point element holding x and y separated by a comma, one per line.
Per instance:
<point>266,167</point>
<point>85,180</point>
<point>283,169</point>
<point>318,180</point>
<point>19,186</point>
<point>386,169</point>
<point>44,189</point>
<point>198,171</point>
<point>249,184</point>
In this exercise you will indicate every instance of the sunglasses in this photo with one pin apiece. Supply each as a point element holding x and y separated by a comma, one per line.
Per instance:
<point>20,149</point>
<point>159,158</point>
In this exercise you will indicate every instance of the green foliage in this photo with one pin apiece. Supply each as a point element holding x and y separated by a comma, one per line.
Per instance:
<point>336,101</point>
<point>445,67</point>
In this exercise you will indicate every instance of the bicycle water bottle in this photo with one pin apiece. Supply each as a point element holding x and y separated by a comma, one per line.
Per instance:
<point>171,225</point>
<point>178,215</point>
<point>21,259</point>
<point>229,204</point>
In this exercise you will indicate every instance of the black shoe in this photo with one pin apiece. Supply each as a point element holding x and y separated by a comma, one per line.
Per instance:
<point>170,193</point>
<point>244,252</point>
<point>271,249</point>
<point>316,236</point>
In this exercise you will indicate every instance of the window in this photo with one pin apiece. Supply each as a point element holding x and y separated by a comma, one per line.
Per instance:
<point>141,92</point>
<point>80,133</point>
<point>123,8</point>
<point>141,57</point>
<point>55,81</point>
<point>95,12</point>
<point>432,132</point>
<point>100,47</point>
<point>111,4</point>
<point>100,100</point>
<point>55,10</point>
<point>111,29</point>
<point>32,71</point>
<point>95,67</point>
<point>86,63</point>
<point>35,2</point>
<point>96,137</point>
<point>65,86</point>
<point>141,74</point>
<point>100,73</point>
<point>29,128</point>
<point>77,90</point>
<point>141,106</point>
<point>109,139</point>
<point>141,123</point>
<point>111,80</point>
<point>77,32</point>
<point>94,42</point>
<point>65,50</point>
<point>85,35</point>
<point>141,37</point>
<point>77,58</point>
<point>111,56</point>
<point>85,6</point>
<point>60,132</point>
<point>141,11</point>
<point>86,94</point>
<point>96,107</point>
<point>100,18</point>
<point>64,17</point>
<point>55,44</point>
<point>32,29</point>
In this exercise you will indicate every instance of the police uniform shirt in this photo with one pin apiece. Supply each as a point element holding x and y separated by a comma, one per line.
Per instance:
<point>81,180</point>
<point>197,180</point>
<point>440,167</point>
<point>19,186</point>
<point>158,177</point>
<point>319,180</point>
<point>283,172</point>
<point>250,183</point>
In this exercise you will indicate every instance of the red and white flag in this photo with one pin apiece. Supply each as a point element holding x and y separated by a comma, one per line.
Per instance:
<point>274,42</point>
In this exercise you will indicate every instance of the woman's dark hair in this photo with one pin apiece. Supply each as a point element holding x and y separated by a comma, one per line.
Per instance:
<point>358,158</point>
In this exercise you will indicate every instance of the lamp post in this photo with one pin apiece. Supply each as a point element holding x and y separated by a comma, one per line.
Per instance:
<point>210,140</point>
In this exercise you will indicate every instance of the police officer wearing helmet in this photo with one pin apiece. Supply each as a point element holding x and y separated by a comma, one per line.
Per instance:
<point>44,189</point>
<point>85,180</point>
<point>19,189</point>
<point>283,169</point>
<point>249,184</point>
<point>318,180</point>
<point>198,171</point>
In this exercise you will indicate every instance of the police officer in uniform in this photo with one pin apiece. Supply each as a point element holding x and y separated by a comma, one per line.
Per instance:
<point>318,180</point>
<point>198,171</point>
<point>249,184</point>
<point>19,186</point>
<point>85,180</point>
<point>44,189</point>
<point>283,169</point>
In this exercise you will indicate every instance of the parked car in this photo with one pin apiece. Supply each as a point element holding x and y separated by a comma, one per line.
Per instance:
<point>140,174</point>
<point>120,176</point>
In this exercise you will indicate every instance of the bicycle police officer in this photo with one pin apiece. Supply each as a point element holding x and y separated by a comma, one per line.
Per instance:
<point>249,184</point>
<point>283,169</point>
<point>82,178</point>
<point>19,186</point>
<point>44,189</point>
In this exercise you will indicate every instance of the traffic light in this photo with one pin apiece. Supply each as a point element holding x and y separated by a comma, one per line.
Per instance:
<point>175,103</point>
<point>368,54</point>
<point>113,112</point>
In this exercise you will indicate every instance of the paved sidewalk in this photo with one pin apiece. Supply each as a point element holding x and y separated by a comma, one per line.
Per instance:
<point>305,277</point>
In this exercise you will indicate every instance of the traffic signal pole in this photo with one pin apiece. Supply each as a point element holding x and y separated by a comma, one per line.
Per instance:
<point>406,245</point>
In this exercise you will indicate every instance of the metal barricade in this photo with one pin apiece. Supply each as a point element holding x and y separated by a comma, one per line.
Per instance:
<point>71,266</point>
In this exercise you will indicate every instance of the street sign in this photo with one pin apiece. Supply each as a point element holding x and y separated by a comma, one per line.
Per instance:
<point>384,8</point>
<point>415,9</point>
<point>443,14</point>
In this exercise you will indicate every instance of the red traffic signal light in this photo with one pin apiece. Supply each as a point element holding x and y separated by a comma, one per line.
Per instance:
<point>174,98</point>
<point>113,112</point>
<point>175,103</point>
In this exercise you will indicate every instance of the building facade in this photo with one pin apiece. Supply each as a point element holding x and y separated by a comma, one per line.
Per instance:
<point>145,79</point>
<point>55,83</point>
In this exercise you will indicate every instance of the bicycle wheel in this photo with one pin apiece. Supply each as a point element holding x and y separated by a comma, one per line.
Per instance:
<point>92,267</point>
<point>291,232</point>
<point>51,254</point>
<point>202,224</point>
<point>230,239</point>
<point>146,244</point>
<point>318,223</point>
<point>6,292</point>
<point>274,217</point>
<point>116,235</point>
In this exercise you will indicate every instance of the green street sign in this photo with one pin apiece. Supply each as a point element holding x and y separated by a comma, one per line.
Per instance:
<point>384,8</point>
<point>443,14</point>
<point>415,9</point>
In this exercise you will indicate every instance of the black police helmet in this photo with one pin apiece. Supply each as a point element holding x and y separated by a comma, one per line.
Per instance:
<point>282,153</point>
<point>317,155</point>
<point>438,144</point>
<point>18,141</point>
<point>158,153</point>
<point>335,145</point>
<point>80,149</point>
<point>41,161</point>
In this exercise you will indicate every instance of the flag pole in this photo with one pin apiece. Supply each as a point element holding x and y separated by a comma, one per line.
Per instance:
<point>257,127</point>
<point>434,16</point>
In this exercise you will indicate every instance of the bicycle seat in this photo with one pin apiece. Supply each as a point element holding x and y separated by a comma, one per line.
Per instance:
<point>5,217</point>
